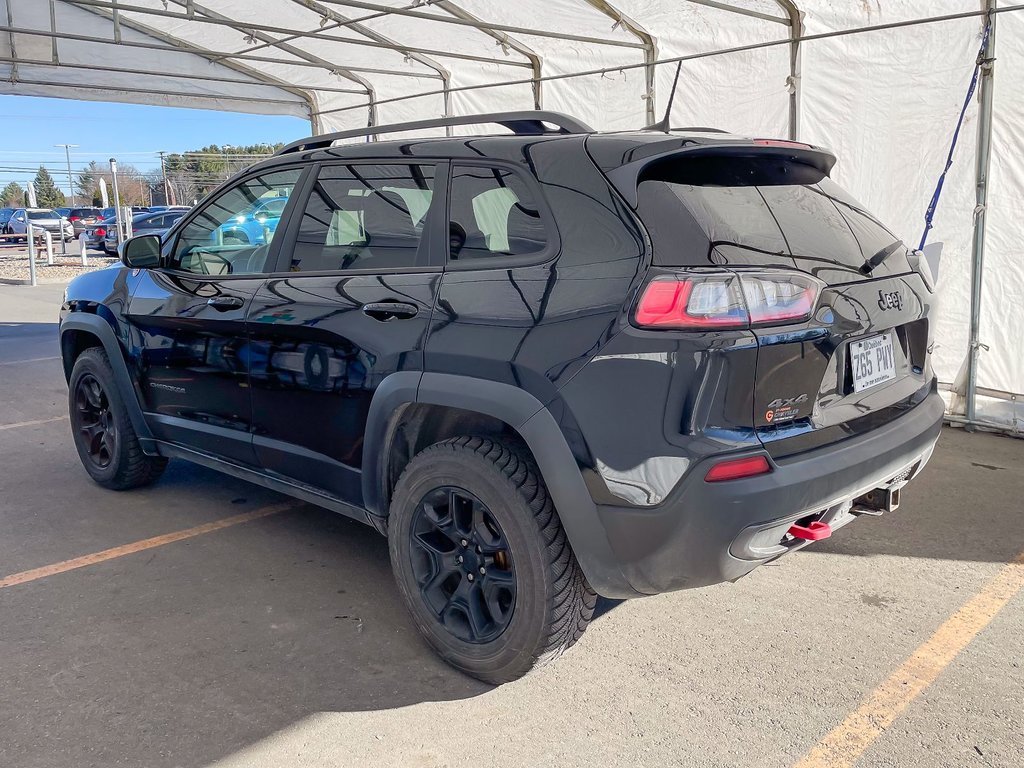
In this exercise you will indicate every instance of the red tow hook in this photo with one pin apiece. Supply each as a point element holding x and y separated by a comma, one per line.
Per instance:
<point>814,531</point>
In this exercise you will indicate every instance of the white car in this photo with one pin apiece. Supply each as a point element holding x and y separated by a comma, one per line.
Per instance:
<point>41,218</point>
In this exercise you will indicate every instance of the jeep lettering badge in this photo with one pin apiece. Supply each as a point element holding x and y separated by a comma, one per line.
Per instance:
<point>890,300</point>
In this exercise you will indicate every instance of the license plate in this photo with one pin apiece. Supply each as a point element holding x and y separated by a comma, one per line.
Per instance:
<point>873,361</point>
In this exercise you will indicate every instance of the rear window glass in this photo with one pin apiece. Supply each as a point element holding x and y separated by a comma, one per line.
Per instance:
<point>717,210</point>
<point>493,214</point>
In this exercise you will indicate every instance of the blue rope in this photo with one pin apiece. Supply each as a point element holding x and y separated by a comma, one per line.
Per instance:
<point>930,213</point>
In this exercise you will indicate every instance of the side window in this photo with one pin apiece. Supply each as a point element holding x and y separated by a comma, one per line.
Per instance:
<point>493,214</point>
<point>232,233</point>
<point>365,217</point>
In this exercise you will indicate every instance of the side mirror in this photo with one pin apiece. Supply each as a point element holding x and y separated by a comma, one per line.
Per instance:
<point>141,252</point>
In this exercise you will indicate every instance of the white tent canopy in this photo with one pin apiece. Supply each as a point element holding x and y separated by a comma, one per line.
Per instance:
<point>885,99</point>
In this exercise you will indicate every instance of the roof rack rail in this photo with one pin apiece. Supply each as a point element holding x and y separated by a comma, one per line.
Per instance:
<point>524,123</point>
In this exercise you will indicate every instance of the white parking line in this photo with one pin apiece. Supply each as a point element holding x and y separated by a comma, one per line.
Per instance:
<point>31,423</point>
<point>30,360</point>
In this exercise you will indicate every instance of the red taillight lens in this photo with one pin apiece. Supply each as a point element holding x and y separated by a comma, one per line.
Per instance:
<point>99,232</point>
<point>734,469</point>
<point>74,218</point>
<point>706,300</point>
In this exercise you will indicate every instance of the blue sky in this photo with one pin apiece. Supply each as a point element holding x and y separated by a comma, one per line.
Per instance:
<point>30,126</point>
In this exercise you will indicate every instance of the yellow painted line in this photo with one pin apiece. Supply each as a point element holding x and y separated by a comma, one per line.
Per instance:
<point>32,423</point>
<point>30,360</point>
<point>844,745</point>
<point>128,549</point>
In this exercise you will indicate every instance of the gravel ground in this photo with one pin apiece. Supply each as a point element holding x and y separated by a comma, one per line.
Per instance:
<point>14,264</point>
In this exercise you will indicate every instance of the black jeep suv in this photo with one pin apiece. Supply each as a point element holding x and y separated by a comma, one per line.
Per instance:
<point>547,364</point>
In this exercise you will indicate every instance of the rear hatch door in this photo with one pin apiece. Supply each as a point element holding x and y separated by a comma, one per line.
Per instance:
<point>861,357</point>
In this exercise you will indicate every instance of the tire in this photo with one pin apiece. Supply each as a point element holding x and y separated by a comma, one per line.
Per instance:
<point>533,602</point>
<point>102,431</point>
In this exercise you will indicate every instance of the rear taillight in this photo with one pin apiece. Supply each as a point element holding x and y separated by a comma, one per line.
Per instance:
<point>706,300</point>
<point>99,232</point>
<point>734,469</point>
<point>74,218</point>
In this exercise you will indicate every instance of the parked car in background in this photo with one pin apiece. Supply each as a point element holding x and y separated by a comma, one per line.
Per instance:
<point>143,224</point>
<point>95,234</point>
<point>110,211</point>
<point>65,212</point>
<point>253,226</point>
<point>83,218</point>
<point>5,216</point>
<point>156,208</point>
<point>42,218</point>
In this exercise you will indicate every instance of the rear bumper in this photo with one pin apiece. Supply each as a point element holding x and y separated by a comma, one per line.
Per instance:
<point>706,533</point>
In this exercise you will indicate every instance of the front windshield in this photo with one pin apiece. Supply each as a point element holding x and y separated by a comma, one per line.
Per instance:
<point>36,215</point>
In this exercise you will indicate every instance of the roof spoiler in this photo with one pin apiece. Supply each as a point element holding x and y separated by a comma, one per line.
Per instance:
<point>625,177</point>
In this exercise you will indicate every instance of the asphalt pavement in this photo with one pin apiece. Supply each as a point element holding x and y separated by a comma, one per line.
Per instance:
<point>207,622</point>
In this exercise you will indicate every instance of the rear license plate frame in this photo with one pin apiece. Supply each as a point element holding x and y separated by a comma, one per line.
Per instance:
<point>872,361</point>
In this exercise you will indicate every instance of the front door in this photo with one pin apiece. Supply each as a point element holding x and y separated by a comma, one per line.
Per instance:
<point>189,341</point>
<point>351,303</point>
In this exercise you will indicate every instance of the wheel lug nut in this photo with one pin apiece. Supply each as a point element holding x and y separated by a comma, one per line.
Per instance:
<point>482,570</point>
<point>469,576</point>
<point>458,559</point>
<point>464,542</point>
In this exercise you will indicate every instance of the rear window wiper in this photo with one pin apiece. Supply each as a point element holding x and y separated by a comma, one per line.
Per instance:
<point>869,266</point>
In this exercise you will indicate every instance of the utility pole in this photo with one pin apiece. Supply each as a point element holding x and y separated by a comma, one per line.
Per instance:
<point>163,172</point>
<point>71,183</point>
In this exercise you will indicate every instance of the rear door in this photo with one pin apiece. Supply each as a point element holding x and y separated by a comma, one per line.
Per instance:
<point>350,303</point>
<point>860,358</point>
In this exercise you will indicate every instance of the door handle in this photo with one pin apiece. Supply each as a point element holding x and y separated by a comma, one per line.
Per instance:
<point>224,303</point>
<point>390,310</point>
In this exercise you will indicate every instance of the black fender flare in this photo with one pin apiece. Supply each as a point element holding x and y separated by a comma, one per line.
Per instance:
<point>100,328</point>
<point>529,417</point>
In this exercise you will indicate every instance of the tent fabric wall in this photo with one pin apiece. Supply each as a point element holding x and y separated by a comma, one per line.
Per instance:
<point>885,101</point>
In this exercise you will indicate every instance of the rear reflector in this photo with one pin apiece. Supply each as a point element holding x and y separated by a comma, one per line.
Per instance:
<point>724,300</point>
<point>734,469</point>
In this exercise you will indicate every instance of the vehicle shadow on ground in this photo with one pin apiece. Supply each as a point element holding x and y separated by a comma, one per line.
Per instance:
<point>187,653</point>
<point>965,505</point>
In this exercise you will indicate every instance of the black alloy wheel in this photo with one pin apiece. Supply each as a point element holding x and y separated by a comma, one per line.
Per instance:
<point>463,565</point>
<point>95,427</point>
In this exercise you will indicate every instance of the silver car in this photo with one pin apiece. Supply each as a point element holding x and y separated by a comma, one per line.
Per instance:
<point>143,224</point>
<point>40,218</point>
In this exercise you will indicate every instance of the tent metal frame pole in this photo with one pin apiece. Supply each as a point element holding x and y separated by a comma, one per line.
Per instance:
<point>370,34</point>
<point>505,41</point>
<point>387,10</point>
<point>178,44</point>
<point>650,46</point>
<point>216,57</point>
<point>981,175</point>
<point>249,28</point>
<point>171,75</point>
<point>10,33</point>
<point>741,11</point>
<point>710,54</point>
<point>793,85</point>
